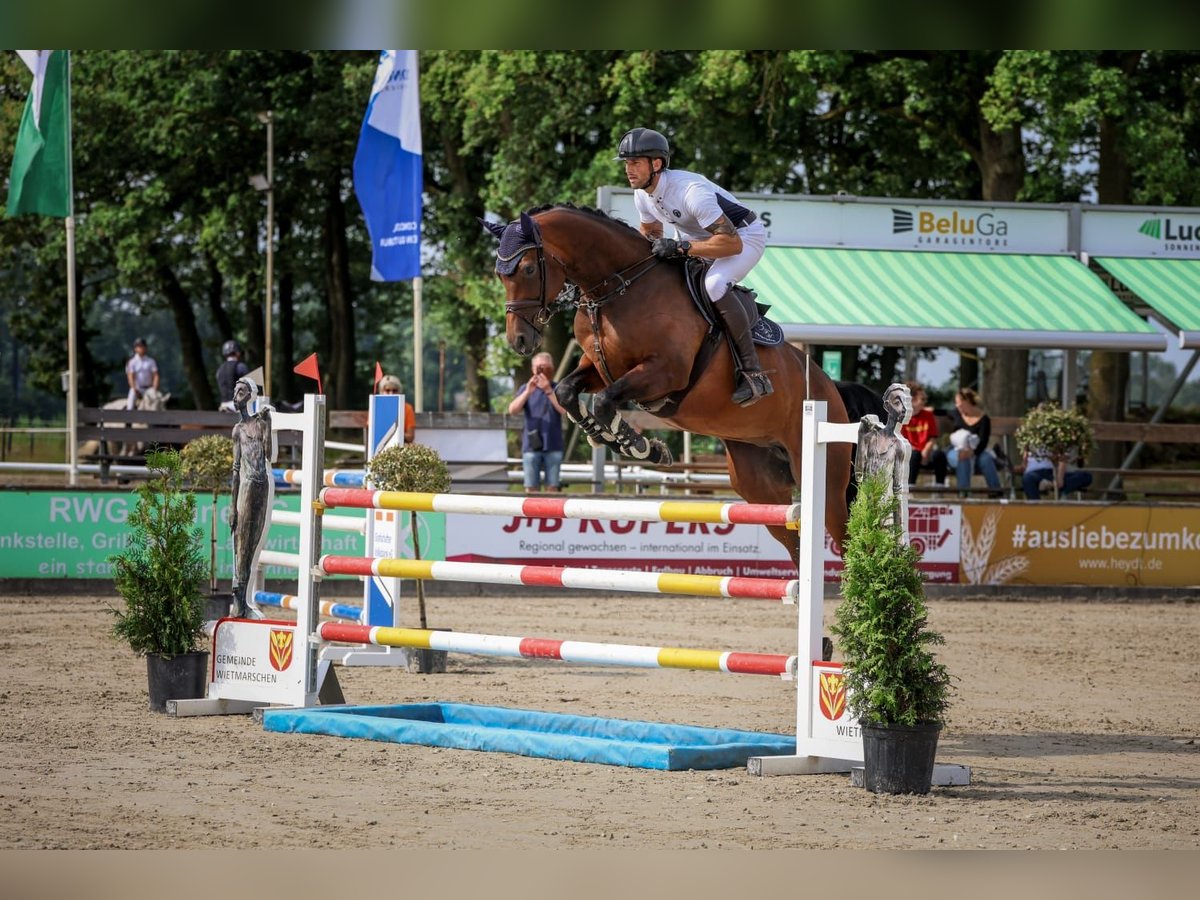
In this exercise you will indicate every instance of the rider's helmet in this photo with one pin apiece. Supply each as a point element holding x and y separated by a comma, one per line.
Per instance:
<point>644,142</point>
<point>230,347</point>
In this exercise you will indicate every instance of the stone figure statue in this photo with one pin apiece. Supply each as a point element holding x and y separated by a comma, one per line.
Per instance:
<point>882,448</point>
<point>253,493</point>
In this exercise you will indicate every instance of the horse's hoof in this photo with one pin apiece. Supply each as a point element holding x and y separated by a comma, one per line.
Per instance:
<point>660,454</point>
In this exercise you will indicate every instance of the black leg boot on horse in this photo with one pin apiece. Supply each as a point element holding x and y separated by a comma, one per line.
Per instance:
<point>752,382</point>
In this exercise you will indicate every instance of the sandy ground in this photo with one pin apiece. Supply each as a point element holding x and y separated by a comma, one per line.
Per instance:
<point>1081,723</point>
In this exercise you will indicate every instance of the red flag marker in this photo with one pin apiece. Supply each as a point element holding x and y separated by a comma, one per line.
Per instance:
<point>378,375</point>
<point>309,368</point>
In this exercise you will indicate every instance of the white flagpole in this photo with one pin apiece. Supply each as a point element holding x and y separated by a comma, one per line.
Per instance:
<point>418,347</point>
<point>72,375</point>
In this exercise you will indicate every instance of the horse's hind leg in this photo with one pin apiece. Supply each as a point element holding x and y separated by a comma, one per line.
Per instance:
<point>763,475</point>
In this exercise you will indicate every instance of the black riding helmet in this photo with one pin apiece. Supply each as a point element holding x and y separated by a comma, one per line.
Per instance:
<point>230,347</point>
<point>644,142</point>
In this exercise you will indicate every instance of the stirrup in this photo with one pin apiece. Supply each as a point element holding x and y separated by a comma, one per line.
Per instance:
<point>753,387</point>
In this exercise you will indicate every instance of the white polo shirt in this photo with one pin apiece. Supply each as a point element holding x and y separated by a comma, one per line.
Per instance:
<point>688,201</point>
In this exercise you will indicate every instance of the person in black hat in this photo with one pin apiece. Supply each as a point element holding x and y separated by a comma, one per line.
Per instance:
<point>229,372</point>
<point>710,223</point>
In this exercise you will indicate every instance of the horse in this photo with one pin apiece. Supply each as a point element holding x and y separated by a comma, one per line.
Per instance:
<point>641,337</point>
<point>151,400</point>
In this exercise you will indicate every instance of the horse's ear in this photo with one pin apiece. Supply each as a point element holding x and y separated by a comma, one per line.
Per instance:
<point>530,229</point>
<point>496,230</point>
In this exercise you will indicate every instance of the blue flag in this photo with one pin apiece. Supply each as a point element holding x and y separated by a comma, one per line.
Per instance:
<point>387,168</point>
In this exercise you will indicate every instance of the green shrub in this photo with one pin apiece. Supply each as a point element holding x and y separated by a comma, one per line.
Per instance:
<point>1060,435</point>
<point>208,465</point>
<point>882,625</point>
<point>160,573</point>
<point>409,467</point>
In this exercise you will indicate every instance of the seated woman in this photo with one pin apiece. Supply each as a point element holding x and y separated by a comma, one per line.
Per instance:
<point>971,430</point>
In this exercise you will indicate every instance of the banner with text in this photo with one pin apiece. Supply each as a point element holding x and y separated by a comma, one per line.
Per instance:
<point>71,534</point>
<point>674,547</point>
<point>1122,545</point>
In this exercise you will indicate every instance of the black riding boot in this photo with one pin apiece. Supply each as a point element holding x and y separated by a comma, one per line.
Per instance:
<point>753,383</point>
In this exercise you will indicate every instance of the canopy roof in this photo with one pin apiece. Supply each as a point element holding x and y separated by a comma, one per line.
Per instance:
<point>921,298</point>
<point>1171,287</point>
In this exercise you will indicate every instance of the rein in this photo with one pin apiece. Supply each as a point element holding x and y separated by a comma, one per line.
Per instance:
<point>571,295</point>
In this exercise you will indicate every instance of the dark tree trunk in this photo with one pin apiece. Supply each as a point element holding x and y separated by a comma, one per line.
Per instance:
<point>190,348</point>
<point>340,298</point>
<point>286,331</point>
<point>216,301</point>
<point>1108,371</point>
<point>1002,170</point>
<point>475,353</point>
<point>968,368</point>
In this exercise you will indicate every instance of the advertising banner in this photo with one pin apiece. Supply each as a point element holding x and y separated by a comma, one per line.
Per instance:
<point>1124,545</point>
<point>71,534</point>
<point>674,547</point>
<point>864,222</point>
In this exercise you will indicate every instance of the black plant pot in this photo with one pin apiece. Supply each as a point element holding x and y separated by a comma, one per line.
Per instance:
<point>182,677</point>
<point>898,759</point>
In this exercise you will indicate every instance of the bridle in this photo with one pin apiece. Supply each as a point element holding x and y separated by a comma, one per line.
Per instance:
<point>589,300</point>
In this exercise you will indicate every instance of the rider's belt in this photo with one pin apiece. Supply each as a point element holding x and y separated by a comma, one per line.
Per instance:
<point>749,219</point>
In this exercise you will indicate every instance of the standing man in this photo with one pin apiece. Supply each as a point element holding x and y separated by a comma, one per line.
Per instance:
<point>141,372</point>
<point>542,440</point>
<point>229,372</point>
<point>713,225</point>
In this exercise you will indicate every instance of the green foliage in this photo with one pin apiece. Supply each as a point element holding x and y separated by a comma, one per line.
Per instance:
<point>159,574</point>
<point>208,463</point>
<point>409,467</point>
<point>1060,435</point>
<point>892,676</point>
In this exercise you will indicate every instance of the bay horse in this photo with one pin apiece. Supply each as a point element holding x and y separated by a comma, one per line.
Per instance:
<point>641,336</point>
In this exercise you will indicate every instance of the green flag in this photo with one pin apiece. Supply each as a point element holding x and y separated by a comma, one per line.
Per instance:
<point>41,169</point>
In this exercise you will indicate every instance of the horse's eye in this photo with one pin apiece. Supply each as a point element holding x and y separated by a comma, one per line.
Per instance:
<point>529,269</point>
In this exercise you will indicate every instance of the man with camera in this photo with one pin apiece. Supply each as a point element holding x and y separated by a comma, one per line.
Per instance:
<point>542,440</point>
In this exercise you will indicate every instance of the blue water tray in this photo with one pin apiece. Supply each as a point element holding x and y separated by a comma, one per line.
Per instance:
<point>614,742</point>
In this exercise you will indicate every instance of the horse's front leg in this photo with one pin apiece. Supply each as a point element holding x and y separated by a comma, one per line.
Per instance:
<point>603,424</point>
<point>638,384</point>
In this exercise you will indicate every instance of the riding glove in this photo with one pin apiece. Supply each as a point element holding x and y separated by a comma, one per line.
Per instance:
<point>669,248</point>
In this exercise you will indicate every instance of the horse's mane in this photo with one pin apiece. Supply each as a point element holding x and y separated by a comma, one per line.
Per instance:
<point>589,210</point>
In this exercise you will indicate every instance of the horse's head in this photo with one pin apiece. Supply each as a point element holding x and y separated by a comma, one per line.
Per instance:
<point>530,286</point>
<point>153,399</point>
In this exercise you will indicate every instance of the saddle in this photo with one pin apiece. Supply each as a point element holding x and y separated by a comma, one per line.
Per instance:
<point>764,332</point>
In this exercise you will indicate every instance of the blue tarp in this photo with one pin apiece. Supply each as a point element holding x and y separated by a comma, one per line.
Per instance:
<point>616,742</point>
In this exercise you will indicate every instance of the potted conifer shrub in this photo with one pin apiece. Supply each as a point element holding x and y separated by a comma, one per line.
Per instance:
<point>208,467</point>
<point>895,685</point>
<point>416,468</point>
<point>159,576</point>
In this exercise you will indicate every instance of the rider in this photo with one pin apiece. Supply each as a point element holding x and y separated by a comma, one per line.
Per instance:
<point>713,225</point>
<point>229,372</point>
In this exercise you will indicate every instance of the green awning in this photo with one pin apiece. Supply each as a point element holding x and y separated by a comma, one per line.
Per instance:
<point>1170,286</point>
<point>914,298</point>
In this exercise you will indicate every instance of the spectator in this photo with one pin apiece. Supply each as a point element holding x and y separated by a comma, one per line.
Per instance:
<point>969,451</point>
<point>1041,474</point>
<point>390,384</point>
<point>542,439</point>
<point>228,374</point>
<point>922,432</point>
<point>141,372</point>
